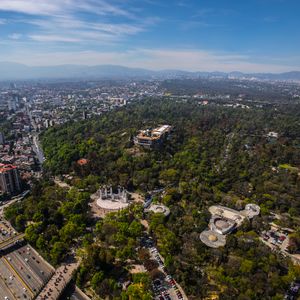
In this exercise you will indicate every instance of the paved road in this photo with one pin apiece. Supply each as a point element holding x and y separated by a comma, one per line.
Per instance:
<point>35,262</point>
<point>11,241</point>
<point>5,291</point>
<point>10,202</point>
<point>79,295</point>
<point>155,255</point>
<point>14,282</point>
<point>170,289</point>
<point>38,149</point>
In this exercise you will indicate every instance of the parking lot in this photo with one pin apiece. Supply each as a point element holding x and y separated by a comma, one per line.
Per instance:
<point>276,239</point>
<point>23,273</point>
<point>165,288</point>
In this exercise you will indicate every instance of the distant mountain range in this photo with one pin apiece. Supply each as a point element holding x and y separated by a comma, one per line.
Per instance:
<point>14,71</point>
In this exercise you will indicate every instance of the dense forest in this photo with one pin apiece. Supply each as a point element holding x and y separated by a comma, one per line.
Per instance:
<point>215,154</point>
<point>266,92</point>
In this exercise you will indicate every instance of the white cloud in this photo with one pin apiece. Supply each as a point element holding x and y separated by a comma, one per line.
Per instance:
<point>54,7</point>
<point>57,21</point>
<point>53,38</point>
<point>155,59</point>
<point>69,25</point>
<point>30,6</point>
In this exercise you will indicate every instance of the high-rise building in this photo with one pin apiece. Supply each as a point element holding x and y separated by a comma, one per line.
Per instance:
<point>9,179</point>
<point>2,138</point>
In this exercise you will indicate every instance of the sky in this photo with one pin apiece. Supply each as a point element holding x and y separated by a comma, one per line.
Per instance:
<point>194,35</point>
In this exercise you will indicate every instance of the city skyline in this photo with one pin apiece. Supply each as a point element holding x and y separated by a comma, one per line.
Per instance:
<point>257,36</point>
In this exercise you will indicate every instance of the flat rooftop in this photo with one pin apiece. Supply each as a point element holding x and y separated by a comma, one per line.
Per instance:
<point>227,213</point>
<point>154,134</point>
<point>6,167</point>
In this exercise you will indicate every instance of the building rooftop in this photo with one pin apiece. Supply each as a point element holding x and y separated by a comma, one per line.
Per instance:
<point>212,239</point>
<point>154,134</point>
<point>159,208</point>
<point>8,167</point>
<point>223,221</point>
<point>82,161</point>
<point>109,200</point>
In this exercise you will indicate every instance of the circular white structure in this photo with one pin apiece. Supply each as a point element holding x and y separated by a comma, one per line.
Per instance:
<point>251,210</point>
<point>159,208</point>
<point>212,239</point>
<point>111,204</point>
<point>221,225</point>
<point>112,201</point>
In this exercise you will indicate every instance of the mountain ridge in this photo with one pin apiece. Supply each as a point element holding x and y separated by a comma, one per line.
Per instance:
<point>17,71</point>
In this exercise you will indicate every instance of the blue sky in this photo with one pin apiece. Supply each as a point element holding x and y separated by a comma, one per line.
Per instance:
<point>202,35</point>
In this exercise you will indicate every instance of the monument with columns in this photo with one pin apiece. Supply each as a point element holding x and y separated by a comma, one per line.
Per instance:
<point>110,200</point>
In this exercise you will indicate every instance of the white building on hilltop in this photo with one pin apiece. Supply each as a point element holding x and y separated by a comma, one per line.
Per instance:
<point>151,138</point>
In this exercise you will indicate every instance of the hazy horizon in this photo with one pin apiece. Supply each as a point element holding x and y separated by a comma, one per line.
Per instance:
<point>9,63</point>
<point>257,36</point>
